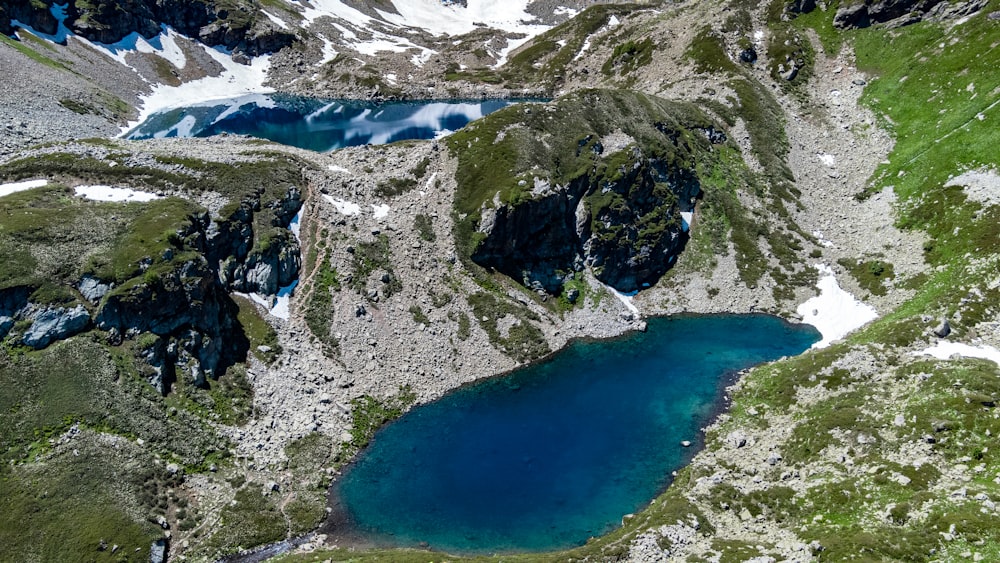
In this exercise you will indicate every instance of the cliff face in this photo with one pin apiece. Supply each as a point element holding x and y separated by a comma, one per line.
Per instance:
<point>176,299</point>
<point>237,26</point>
<point>610,199</point>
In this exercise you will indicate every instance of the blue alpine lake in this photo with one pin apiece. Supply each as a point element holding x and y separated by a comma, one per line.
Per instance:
<point>551,454</point>
<point>319,125</point>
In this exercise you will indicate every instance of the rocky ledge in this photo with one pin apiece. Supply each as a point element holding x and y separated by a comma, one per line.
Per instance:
<point>585,186</point>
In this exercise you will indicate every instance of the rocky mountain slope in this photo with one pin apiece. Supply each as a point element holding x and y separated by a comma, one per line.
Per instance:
<point>161,405</point>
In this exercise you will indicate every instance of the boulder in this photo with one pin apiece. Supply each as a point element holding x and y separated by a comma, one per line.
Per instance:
<point>158,551</point>
<point>37,14</point>
<point>943,329</point>
<point>56,323</point>
<point>800,6</point>
<point>93,289</point>
<point>855,16</point>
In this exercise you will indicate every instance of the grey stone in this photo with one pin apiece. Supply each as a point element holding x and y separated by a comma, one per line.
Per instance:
<point>93,289</point>
<point>158,551</point>
<point>852,16</point>
<point>55,324</point>
<point>943,329</point>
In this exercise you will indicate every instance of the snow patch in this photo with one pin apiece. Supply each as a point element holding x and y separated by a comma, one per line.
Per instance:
<point>14,187</point>
<point>822,241</point>
<point>827,159</point>
<point>329,52</point>
<point>512,44</point>
<point>281,306</point>
<point>625,299</point>
<point>834,312</point>
<point>430,181</point>
<point>109,193</point>
<point>343,206</point>
<point>439,18</point>
<point>296,226</point>
<point>277,21</point>
<point>380,211</point>
<point>944,350</point>
<point>687,217</point>
<point>236,80</point>
<point>335,168</point>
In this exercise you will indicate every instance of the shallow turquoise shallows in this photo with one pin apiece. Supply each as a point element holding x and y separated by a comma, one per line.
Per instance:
<point>319,125</point>
<point>550,455</point>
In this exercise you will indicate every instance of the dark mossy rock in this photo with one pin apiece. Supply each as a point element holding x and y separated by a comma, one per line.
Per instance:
<point>234,24</point>
<point>597,178</point>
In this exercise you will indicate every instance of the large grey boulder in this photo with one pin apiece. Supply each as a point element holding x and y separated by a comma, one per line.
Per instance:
<point>943,329</point>
<point>158,551</point>
<point>852,17</point>
<point>54,324</point>
<point>93,289</point>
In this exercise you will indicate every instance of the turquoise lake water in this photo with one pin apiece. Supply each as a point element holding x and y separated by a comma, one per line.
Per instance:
<point>319,125</point>
<point>547,456</point>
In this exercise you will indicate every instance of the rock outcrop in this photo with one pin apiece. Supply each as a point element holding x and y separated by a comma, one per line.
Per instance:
<point>251,254</point>
<point>36,14</point>
<point>177,305</point>
<point>55,323</point>
<point>611,199</point>
<point>238,26</point>
<point>894,13</point>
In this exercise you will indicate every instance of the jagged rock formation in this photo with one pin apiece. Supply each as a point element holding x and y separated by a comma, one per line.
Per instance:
<point>893,12</point>
<point>605,193</point>
<point>56,323</point>
<point>175,299</point>
<point>237,26</point>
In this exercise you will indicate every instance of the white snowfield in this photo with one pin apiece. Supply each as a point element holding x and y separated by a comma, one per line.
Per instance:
<point>944,350</point>
<point>343,206</point>
<point>109,193</point>
<point>439,18</point>
<point>834,312</point>
<point>14,187</point>
<point>235,80</point>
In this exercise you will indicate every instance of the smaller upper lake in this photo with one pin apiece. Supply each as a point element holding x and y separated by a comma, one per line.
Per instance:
<point>319,125</point>
<point>549,455</point>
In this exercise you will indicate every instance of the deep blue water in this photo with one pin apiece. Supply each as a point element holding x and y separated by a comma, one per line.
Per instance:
<point>549,455</point>
<point>319,125</point>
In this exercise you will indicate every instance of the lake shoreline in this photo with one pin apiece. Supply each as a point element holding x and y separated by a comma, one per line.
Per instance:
<point>341,531</point>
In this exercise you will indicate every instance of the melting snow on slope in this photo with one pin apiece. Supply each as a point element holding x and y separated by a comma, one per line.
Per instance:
<point>343,206</point>
<point>296,226</point>
<point>235,80</point>
<point>687,217</point>
<point>944,350</point>
<point>108,193</point>
<point>380,211</point>
<point>834,312</point>
<point>7,189</point>
<point>626,299</point>
<point>439,18</point>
